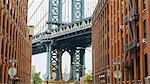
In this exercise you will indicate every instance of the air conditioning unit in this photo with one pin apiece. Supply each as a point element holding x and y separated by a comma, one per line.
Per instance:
<point>138,44</point>
<point>121,27</point>
<point>144,41</point>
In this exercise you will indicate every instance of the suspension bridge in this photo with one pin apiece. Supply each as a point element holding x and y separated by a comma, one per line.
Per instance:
<point>73,37</point>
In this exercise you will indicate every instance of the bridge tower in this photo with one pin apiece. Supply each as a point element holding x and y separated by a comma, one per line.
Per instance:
<point>55,13</point>
<point>54,56</point>
<point>55,53</point>
<point>54,18</point>
<point>77,10</point>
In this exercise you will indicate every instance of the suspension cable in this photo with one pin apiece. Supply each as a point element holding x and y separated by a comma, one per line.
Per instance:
<point>31,4</point>
<point>63,2</point>
<point>41,19</point>
<point>68,11</point>
<point>36,10</point>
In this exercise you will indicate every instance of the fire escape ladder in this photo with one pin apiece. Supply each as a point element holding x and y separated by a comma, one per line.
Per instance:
<point>133,17</point>
<point>130,27</point>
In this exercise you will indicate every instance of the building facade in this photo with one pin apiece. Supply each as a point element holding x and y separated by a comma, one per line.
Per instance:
<point>15,41</point>
<point>100,40</point>
<point>129,41</point>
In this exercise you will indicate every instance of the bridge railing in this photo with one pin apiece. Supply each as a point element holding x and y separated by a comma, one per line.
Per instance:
<point>40,37</point>
<point>66,29</point>
<point>84,24</point>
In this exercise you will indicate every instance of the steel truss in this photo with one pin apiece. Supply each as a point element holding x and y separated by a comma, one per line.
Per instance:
<point>55,13</point>
<point>77,56</point>
<point>77,64</point>
<point>77,10</point>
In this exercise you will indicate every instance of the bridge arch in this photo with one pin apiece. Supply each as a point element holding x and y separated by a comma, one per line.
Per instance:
<point>66,61</point>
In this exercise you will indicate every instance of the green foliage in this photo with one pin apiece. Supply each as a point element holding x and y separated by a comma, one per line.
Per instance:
<point>36,78</point>
<point>87,78</point>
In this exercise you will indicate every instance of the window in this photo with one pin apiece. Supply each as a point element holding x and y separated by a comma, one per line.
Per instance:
<point>144,28</point>
<point>138,63</point>
<point>4,1</point>
<point>131,4</point>
<point>17,2</point>
<point>7,26</point>
<point>118,25</point>
<point>118,48</point>
<point>137,30</point>
<point>146,65</point>
<point>0,73</point>
<point>11,12</point>
<point>115,50</point>
<point>3,23</point>
<point>2,50</point>
<point>7,4</point>
<point>0,19</point>
<point>132,67</point>
<point>144,4</point>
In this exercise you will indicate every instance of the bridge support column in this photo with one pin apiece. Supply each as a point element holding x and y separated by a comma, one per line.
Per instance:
<point>72,67</point>
<point>77,64</point>
<point>54,64</point>
<point>56,70</point>
<point>77,10</point>
<point>60,52</point>
<point>82,62</point>
<point>48,50</point>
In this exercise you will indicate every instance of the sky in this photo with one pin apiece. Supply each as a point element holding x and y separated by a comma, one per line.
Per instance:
<point>39,21</point>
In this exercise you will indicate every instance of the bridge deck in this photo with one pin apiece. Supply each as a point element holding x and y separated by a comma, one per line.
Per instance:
<point>76,34</point>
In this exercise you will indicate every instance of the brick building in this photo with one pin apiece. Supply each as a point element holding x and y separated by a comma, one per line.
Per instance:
<point>100,40</point>
<point>129,41</point>
<point>15,41</point>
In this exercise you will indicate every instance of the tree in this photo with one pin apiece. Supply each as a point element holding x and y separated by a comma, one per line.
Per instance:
<point>87,78</point>
<point>36,78</point>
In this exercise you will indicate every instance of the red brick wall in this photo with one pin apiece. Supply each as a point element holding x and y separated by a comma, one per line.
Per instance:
<point>14,40</point>
<point>100,40</point>
<point>148,39</point>
<point>133,65</point>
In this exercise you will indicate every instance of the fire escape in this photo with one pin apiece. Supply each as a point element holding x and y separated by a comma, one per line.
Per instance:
<point>131,20</point>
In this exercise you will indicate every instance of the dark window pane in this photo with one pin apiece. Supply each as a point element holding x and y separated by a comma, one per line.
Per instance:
<point>145,29</point>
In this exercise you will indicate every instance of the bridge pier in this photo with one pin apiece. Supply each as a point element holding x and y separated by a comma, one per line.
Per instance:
<point>56,63</point>
<point>82,62</point>
<point>77,63</point>
<point>72,66</point>
<point>48,50</point>
<point>60,52</point>
<point>77,68</point>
